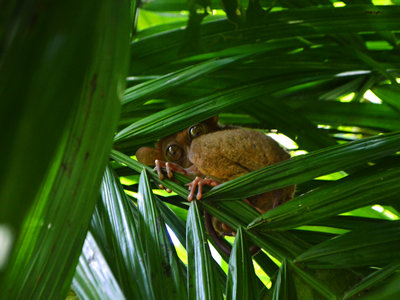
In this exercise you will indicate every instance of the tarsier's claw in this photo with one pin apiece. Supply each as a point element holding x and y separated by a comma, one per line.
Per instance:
<point>158,169</point>
<point>191,189</point>
<point>169,170</point>
<point>161,187</point>
<point>199,182</point>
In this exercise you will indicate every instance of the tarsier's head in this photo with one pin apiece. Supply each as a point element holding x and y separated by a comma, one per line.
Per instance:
<point>174,148</point>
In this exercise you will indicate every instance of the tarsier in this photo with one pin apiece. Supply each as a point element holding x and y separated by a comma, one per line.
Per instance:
<point>211,154</point>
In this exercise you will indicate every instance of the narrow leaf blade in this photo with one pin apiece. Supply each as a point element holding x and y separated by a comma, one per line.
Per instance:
<point>93,278</point>
<point>376,245</point>
<point>202,277</point>
<point>161,256</point>
<point>241,280</point>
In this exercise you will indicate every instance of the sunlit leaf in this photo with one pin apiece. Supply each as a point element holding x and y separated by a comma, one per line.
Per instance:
<point>241,280</point>
<point>202,277</point>
<point>164,265</point>
<point>284,286</point>
<point>389,95</point>
<point>115,225</point>
<point>93,278</point>
<point>322,73</point>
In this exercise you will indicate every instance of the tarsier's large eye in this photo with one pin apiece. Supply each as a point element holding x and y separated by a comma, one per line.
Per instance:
<point>174,152</point>
<point>197,130</point>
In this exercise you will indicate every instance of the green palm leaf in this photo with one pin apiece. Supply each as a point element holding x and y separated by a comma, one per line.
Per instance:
<point>94,282</point>
<point>70,130</point>
<point>357,248</point>
<point>163,264</point>
<point>322,73</point>
<point>202,281</point>
<point>112,216</point>
<point>284,287</point>
<point>241,280</point>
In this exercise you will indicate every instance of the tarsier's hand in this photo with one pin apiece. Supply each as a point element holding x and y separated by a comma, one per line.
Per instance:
<point>170,167</point>
<point>199,182</point>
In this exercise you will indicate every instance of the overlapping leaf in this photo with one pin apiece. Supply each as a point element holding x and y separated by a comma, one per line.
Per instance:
<point>376,245</point>
<point>372,279</point>
<point>302,168</point>
<point>115,225</point>
<point>163,264</point>
<point>373,186</point>
<point>284,288</point>
<point>309,22</point>
<point>93,278</point>
<point>202,277</point>
<point>74,40</point>
<point>301,58</point>
<point>241,280</point>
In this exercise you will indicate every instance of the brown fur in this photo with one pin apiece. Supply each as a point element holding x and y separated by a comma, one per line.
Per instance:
<point>224,153</point>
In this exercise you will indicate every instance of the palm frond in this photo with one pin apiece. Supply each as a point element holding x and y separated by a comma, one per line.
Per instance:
<point>322,74</point>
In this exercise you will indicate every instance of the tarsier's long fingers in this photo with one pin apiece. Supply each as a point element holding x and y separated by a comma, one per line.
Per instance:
<point>199,182</point>
<point>175,168</point>
<point>205,181</point>
<point>169,167</point>
<point>159,164</point>
<point>192,187</point>
<point>169,170</point>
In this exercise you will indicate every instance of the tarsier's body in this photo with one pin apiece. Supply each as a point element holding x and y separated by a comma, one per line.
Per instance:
<point>216,154</point>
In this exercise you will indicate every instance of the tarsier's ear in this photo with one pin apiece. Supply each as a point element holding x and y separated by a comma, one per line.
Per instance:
<point>211,122</point>
<point>147,155</point>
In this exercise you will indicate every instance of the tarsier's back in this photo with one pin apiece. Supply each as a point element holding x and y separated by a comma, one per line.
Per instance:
<point>228,154</point>
<point>225,155</point>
